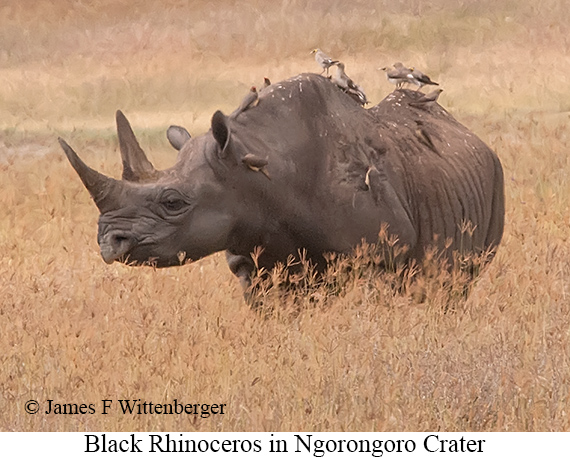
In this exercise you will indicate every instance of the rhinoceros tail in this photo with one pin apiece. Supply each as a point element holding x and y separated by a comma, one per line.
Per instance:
<point>497,221</point>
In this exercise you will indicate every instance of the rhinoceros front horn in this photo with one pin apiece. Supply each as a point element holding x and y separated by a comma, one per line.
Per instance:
<point>136,166</point>
<point>105,191</point>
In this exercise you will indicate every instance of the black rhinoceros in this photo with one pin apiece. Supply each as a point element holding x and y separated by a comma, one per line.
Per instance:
<point>306,168</point>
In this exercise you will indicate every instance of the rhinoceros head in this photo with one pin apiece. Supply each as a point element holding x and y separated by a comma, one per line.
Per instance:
<point>162,217</point>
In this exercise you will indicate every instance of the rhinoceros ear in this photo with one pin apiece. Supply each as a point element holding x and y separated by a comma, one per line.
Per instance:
<point>177,136</point>
<point>136,167</point>
<point>221,131</point>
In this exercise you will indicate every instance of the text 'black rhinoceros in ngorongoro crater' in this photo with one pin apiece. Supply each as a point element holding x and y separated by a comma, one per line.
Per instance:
<point>302,167</point>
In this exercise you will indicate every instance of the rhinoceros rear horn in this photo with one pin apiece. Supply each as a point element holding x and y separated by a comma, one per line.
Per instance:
<point>105,191</point>
<point>136,166</point>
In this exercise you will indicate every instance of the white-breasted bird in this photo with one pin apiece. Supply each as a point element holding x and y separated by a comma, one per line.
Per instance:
<point>427,98</point>
<point>342,80</point>
<point>420,79</point>
<point>372,181</point>
<point>323,60</point>
<point>398,75</point>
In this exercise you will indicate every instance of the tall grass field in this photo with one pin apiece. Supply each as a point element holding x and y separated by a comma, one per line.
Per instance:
<point>75,330</point>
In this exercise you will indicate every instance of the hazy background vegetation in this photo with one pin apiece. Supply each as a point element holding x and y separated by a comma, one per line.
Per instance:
<point>74,329</point>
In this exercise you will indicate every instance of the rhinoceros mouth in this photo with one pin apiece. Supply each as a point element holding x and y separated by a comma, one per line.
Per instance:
<point>115,245</point>
<point>110,256</point>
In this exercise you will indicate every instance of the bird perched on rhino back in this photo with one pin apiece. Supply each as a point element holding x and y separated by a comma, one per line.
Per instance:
<point>249,101</point>
<point>398,75</point>
<point>256,163</point>
<point>323,60</point>
<point>420,79</point>
<point>427,99</point>
<point>342,80</point>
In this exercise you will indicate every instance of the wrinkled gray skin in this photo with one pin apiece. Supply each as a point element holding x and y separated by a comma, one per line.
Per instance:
<point>338,172</point>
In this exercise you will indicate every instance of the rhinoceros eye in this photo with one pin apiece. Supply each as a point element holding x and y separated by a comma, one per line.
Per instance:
<point>173,202</point>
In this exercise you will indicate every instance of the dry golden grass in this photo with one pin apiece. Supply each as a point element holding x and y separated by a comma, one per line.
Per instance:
<point>77,330</point>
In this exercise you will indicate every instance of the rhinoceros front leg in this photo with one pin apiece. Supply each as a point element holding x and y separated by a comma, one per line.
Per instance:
<point>242,267</point>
